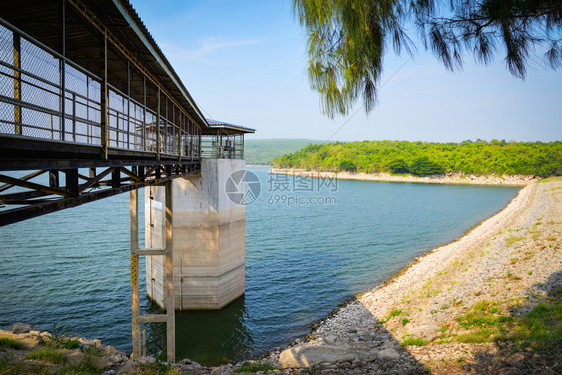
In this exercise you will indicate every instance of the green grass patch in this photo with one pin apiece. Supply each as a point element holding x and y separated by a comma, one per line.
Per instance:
<point>255,367</point>
<point>48,354</point>
<point>413,341</point>
<point>70,344</point>
<point>483,314</point>
<point>512,239</point>
<point>540,329</point>
<point>94,352</point>
<point>9,364</point>
<point>477,336</point>
<point>87,366</point>
<point>556,293</point>
<point>549,179</point>
<point>9,343</point>
<point>405,321</point>
<point>392,314</point>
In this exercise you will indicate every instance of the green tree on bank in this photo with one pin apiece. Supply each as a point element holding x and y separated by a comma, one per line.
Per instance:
<point>422,158</point>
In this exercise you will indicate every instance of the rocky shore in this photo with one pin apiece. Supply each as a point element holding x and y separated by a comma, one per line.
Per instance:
<point>448,178</point>
<point>488,303</point>
<point>461,308</point>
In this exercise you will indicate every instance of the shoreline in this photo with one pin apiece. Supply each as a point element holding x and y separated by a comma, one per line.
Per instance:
<point>374,325</point>
<point>449,178</point>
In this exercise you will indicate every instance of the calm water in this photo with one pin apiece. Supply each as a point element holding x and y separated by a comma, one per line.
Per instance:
<point>72,267</point>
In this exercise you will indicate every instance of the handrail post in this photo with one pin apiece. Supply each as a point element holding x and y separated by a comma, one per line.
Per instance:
<point>158,124</point>
<point>17,82</point>
<point>62,74</point>
<point>179,135</point>
<point>104,103</point>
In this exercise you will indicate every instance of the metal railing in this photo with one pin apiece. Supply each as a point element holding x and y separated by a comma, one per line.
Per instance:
<point>222,146</point>
<point>45,95</point>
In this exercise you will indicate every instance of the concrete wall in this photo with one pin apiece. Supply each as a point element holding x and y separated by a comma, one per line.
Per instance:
<point>209,239</point>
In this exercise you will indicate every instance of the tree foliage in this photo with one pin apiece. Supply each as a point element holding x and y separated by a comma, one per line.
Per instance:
<point>398,166</point>
<point>263,151</point>
<point>422,166</point>
<point>347,39</point>
<point>421,158</point>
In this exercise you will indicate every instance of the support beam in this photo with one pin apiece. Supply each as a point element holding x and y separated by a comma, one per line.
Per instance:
<point>54,179</point>
<point>116,178</point>
<point>34,186</point>
<point>150,252</point>
<point>135,304</point>
<point>170,308</point>
<point>153,318</point>
<point>71,176</point>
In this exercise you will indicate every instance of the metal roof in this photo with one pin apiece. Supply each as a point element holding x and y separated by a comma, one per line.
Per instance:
<point>214,124</point>
<point>84,22</point>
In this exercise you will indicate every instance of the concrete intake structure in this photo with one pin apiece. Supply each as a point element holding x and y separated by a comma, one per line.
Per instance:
<point>208,238</point>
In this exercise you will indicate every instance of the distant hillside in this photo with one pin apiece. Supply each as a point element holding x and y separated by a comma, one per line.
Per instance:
<point>423,158</point>
<point>263,151</point>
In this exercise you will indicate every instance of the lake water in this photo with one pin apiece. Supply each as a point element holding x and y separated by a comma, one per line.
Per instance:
<point>310,244</point>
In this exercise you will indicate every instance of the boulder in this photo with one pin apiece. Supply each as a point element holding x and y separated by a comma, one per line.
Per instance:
<point>22,328</point>
<point>388,353</point>
<point>108,350</point>
<point>306,355</point>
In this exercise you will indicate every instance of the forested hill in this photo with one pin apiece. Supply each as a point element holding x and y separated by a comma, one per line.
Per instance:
<point>263,151</point>
<point>422,158</point>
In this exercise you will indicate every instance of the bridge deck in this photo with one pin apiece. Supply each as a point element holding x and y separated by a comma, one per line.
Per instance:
<point>84,85</point>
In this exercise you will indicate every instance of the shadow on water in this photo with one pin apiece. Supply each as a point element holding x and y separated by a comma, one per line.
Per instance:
<point>207,337</point>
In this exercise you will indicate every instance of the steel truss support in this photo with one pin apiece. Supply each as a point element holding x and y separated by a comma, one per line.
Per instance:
<point>39,199</point>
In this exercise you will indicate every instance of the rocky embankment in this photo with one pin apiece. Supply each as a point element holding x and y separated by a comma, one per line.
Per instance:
<point>25,350</point>
<point>448,178</point>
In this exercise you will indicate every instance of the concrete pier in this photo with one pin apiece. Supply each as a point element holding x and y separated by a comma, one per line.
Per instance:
<point>208,240</point>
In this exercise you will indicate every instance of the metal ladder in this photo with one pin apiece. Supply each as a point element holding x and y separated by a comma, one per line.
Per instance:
<point>169,316</point>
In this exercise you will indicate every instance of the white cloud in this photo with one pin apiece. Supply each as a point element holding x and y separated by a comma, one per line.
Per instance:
<point>210,46</point>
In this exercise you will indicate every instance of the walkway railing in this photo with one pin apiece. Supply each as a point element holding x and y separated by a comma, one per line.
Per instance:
<point>45,95</point>
<point>222,146</point>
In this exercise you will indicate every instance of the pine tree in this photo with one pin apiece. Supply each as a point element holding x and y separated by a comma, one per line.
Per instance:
<point>348,39</point>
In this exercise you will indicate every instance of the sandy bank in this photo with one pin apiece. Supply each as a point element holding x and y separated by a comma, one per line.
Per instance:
<point>450,178</point>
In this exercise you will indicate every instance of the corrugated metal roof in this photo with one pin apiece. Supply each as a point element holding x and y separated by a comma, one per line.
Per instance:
<point>225,125</point>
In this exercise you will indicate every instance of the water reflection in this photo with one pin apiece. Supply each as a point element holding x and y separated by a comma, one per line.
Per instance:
<point>207,337</point>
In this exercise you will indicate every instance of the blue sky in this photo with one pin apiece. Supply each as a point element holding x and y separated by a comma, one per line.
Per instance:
<point>244,62</point>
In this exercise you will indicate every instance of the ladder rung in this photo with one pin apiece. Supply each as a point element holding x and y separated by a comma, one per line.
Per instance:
<point>154,251</point>
<point>153,318</point>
